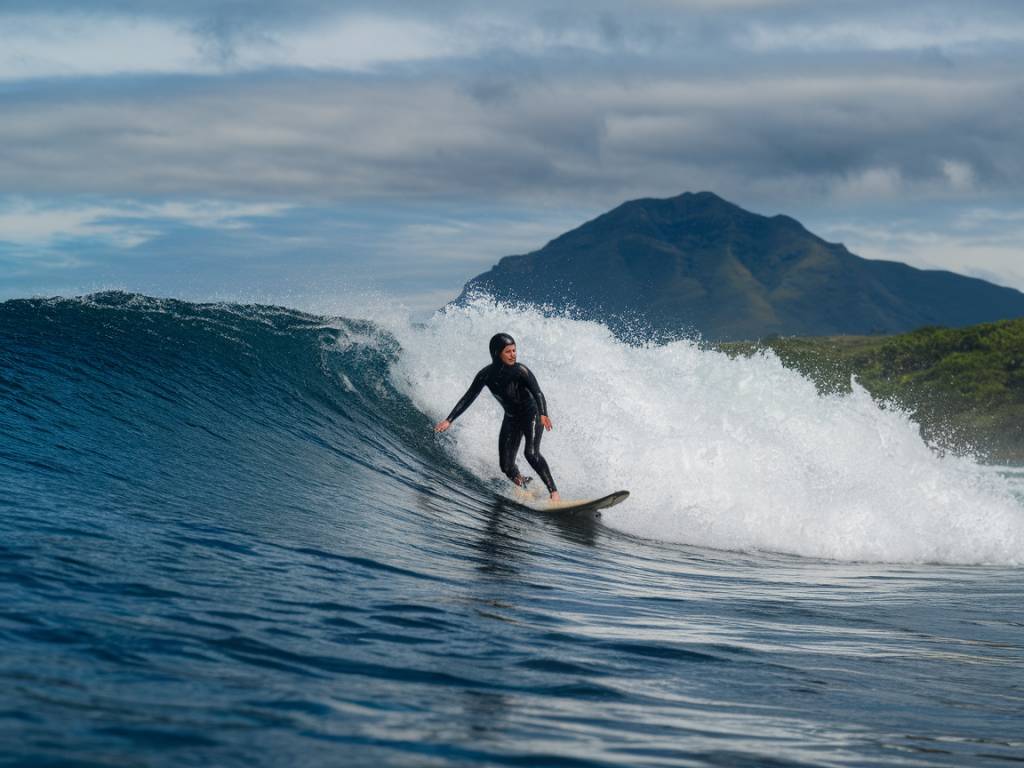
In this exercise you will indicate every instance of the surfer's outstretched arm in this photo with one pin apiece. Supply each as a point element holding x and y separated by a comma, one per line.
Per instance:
<point>465,401</point>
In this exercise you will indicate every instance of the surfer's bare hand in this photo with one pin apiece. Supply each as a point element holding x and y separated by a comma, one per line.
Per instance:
<point>443,425</point>
<point>546,422</point>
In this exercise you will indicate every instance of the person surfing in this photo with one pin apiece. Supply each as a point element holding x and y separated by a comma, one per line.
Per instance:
<point>526,411</point>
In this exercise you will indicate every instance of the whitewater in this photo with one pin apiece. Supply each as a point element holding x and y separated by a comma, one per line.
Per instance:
<point>736,454</point>
<point>229,536</point>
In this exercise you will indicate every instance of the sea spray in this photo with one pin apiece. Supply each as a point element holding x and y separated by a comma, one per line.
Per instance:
<point>737,454</point>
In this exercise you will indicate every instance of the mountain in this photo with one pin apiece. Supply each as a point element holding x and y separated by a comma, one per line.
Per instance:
<point>699,263</point>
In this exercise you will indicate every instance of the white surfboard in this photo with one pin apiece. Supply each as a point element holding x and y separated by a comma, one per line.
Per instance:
<point>577,507</point>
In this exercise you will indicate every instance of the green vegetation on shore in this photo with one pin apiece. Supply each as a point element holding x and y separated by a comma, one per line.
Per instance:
<point>964,386</point>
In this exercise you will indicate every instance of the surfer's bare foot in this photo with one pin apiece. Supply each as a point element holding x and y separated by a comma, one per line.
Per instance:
<point>555,496</point>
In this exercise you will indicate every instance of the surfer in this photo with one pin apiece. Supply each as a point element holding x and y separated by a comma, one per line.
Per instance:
<point>526,411</point>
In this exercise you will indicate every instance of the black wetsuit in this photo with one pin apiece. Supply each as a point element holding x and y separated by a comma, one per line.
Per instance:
<point>517,391</point>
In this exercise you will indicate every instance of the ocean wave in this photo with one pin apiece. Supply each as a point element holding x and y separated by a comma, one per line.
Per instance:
<point>125,396</point>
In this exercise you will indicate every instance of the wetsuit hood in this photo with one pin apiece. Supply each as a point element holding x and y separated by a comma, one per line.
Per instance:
<point>498,342</point>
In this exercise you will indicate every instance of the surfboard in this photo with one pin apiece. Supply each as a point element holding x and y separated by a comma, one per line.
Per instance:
<point>579,507</point>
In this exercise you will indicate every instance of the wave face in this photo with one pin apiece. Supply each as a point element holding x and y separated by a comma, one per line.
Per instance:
<point>229,536</point>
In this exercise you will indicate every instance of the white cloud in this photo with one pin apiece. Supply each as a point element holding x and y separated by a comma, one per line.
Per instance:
<point>72,45</point>
<point>711,5</point>
<point>994,256</point>
<point>354,43</point>
<point>891,32</point>
<point>957,180</point>
<point>26,222</point>
<point>959,174</point>
<point>77,45</point>
<point>988,218</point>
<point>869,184</point>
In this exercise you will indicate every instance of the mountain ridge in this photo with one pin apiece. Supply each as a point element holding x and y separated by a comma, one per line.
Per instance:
<point>697,263</point>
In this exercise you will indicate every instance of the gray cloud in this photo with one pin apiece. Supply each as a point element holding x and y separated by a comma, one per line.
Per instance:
<point>662,88</point>
<point>439,134</point>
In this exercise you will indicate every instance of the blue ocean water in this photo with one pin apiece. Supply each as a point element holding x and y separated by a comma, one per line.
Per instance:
<point>228,536</point>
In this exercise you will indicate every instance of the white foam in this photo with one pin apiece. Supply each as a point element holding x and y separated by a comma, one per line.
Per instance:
<point>733,454</point>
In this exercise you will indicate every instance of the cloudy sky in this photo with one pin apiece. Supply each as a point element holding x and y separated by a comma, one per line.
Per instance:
<point>302,150</point>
